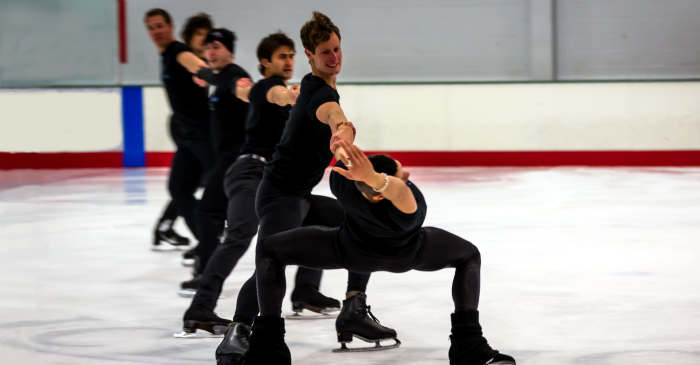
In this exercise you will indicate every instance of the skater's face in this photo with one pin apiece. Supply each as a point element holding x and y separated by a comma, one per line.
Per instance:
<point>281,63</point>
<point>217,55</point>
<point>197,40</point>
<point>328,56</point>
<point>159,30</point>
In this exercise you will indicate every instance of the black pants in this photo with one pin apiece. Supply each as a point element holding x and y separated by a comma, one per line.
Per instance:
<point>193,159</point>
<point>169,216</point>
<point>211,213</point>
<point>321,248</point>
<point>279,212</point>
<point>241,184</point>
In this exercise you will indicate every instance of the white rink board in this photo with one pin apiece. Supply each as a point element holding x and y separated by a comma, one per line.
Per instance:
<point>503,117</point>
<point>580,266</point>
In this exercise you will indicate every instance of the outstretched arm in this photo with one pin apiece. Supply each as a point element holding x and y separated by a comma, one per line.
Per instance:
<point>282,96</point>
<point>360,169</point>
<point>191,62</point>
<point>332,114</point>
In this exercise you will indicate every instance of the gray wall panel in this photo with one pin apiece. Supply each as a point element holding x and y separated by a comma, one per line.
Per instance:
<point>628,39</point>
<point>397,40</point>
<point>58,42</point>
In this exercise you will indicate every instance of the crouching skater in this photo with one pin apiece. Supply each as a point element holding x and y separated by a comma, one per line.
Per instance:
<point>382,232</point>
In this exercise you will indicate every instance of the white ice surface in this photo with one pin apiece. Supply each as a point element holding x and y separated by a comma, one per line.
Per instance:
<point>580,266</point>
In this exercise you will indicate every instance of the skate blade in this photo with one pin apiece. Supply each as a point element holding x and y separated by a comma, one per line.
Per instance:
<point>190,293</point>
<point>377,347</point>
<point>202,334</point>
<point>297,316</point>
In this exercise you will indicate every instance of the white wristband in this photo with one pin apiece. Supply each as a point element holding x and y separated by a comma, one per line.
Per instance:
<point>386,184</point>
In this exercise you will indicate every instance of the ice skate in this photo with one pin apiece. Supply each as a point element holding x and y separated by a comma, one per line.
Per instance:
<point>189,258</point>
<point>468,345</point>
<point>201,318</point>
<point>164,233</point>
<point>266,344</point>
<point>306,296</point>
<point>188,288</point>
<point>356,320</point>
<point>234,344</point>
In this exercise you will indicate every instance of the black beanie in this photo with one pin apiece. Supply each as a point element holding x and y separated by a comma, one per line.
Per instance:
<point>225,36</point>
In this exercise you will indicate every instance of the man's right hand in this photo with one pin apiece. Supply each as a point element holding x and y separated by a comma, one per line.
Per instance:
<point>244,83</point>
<point>294,93</point>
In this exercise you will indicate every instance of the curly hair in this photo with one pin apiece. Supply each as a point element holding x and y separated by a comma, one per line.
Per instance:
<point>317,30</point>
<point>195,22</point>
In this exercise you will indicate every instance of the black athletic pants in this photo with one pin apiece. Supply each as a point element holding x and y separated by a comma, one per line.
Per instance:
<point>321,248</point>
<point>211,213</point>
<point>241,184</point>
<point>279,212</point>
<point>193,159</point>
<point>169,215</point>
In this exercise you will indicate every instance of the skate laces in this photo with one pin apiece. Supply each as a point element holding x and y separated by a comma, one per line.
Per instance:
<point>368,308</point>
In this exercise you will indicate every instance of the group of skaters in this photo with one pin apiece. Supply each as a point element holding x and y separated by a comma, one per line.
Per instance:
<point>259,149</point>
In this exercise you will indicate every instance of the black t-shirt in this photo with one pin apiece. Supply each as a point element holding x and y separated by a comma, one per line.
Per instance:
<point>304,152</point>
<point>378,230</point>
<point>228,113</point>
<point>187,100</point>
<point>265,120</point>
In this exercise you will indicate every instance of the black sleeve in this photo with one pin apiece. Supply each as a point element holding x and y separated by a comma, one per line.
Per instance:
<point>178,48</point>
<point>318,97</point>
<point>410,220</point>
<point>340,185</point>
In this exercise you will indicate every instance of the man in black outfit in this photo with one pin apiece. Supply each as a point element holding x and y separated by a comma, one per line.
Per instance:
<point>284,200</point>
<point>227,123</point>
<point>270,101</point>
<point>196,29</point>
<point>382,232</point>
<point>189,124</point>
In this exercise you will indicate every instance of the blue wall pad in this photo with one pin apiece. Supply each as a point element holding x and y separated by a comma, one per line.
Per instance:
<point>132,122</point>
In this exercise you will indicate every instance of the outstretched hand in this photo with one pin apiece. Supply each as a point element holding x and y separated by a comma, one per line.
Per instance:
<point>244,83</point>
<point>294,93</point>
<point>199,82</point>
<point>359,166</point>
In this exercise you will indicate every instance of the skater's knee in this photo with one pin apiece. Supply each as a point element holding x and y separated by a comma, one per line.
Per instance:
<point>472,254</point>
<point>264,249</point>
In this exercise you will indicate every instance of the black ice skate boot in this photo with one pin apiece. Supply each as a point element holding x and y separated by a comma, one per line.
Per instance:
<point>356,320</point>
<point>164,232</point>
<point>203,318</point>
<point>234,344</point>
<point>307,296</point>
<point>188,289</point>
<point>469,347</point>
<point>189,257</point>
<point>266,343</point>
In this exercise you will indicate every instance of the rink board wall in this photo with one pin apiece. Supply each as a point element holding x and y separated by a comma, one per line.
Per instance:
<point>600,124</point>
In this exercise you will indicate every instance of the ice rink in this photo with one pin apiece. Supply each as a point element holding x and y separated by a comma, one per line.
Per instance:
<point>583,266</point>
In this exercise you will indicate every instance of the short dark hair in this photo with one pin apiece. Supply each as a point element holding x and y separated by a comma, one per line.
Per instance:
<point>381,164</point>
<point>317,30</point>
<point>269,45</point>
<point>193,23</point>
<point>156,12</point>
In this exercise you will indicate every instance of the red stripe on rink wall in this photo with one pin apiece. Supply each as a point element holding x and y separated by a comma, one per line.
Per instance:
<point>60,160</point>
<point>78,160</point>
<point>546,158</point>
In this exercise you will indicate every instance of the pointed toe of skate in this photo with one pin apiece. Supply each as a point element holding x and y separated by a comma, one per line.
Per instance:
<point>501,359</point>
